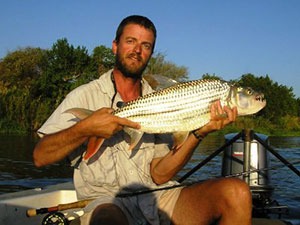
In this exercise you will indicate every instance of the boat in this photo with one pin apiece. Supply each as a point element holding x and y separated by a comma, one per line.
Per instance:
<point>39,205</point>
<point>14,206</point>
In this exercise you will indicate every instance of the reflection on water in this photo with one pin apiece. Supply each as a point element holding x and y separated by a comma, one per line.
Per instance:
<point>17,171</point>
<point>285,142</point>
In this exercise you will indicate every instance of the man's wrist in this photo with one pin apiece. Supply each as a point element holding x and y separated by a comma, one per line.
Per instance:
<point>197,134</point>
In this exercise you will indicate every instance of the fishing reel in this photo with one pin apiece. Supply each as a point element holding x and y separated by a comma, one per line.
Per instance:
<point>55,218</point>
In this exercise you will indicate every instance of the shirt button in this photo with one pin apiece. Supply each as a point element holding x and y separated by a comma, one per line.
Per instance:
<point>130,172</point>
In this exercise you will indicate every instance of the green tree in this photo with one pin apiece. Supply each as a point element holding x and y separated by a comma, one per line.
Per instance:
<point>211,76</point>
<point>158,65</point>
<point>298,106</point>
<point>19,68</point>
<point>103,59</point>
<point>66,65</point>
<point>18,72</point>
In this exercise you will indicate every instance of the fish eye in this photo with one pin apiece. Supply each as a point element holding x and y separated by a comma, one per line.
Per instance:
<point>249,91</point>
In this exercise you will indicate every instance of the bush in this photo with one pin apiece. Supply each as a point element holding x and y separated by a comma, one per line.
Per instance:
<point>12,127</point>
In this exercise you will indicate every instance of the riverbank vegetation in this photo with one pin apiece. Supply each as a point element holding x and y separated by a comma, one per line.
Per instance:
<point>33,82</point>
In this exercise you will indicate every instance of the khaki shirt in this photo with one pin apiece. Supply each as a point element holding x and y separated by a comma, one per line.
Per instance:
<point>113,169</point>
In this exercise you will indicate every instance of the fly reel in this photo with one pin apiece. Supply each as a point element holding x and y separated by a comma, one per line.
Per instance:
<point>55,218</point>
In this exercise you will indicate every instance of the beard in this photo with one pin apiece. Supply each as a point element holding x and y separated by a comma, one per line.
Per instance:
<point>134,71</point>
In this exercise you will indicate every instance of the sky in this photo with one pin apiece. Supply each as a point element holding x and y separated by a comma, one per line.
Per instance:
<point>227,38</point>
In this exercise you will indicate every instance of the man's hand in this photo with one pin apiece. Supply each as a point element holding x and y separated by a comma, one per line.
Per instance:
<point>103,124</point>
<point>219,118</point>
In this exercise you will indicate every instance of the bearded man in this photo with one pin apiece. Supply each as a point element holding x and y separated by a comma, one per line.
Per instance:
<point>113,170</point>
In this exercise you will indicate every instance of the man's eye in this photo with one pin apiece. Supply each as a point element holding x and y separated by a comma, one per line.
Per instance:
<point>129,41</point>
<point>147,46</point>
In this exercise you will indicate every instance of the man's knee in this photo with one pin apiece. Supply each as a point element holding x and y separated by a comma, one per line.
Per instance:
<point>236,191</point>
<point>108,214</point>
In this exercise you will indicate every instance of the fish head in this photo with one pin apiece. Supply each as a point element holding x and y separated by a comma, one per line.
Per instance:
<point>246,100</point>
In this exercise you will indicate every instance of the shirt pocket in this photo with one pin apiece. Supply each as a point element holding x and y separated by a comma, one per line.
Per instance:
<point>101,172</point>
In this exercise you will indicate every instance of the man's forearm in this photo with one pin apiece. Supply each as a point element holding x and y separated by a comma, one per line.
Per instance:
<point>55,147</point>
<point>164,169</point>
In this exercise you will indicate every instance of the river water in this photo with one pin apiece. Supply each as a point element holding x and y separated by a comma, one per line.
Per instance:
<point>17,171</point>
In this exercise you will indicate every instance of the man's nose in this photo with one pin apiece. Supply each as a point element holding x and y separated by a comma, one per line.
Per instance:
<point>138,48</point>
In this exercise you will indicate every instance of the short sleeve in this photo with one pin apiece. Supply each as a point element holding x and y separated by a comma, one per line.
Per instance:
<point>59,120</point>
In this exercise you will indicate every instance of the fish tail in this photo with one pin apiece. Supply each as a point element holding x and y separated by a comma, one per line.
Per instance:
<point>93,146</point>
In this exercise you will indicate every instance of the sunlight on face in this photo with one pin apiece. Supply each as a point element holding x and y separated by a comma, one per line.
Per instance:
<point>133,50</point>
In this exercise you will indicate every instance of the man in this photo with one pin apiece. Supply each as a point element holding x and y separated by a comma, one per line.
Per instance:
<point>114,170</point>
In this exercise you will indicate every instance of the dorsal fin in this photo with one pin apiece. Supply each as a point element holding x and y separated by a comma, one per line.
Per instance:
<point>158,82</point>
<point>80,113</point>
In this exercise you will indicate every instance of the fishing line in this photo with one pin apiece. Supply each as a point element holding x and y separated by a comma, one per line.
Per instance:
<point>259,170</point>
<point>124,195</point>
<point>80,204</point>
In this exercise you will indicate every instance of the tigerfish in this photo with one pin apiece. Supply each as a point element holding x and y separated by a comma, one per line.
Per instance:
<point>178,109</point>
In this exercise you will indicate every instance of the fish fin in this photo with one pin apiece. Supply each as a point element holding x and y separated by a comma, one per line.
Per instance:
<point>80,113</point>
<point>159,82</point>
<point>135,136</point>
<point>94,142</point>
<point>179,138</point>
<point>93,146</point>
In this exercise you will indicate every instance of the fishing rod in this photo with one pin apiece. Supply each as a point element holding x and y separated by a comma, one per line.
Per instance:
<point>83,203</point>
<point>124,195</point>
<point>260,170</point>
<point>60,207</point>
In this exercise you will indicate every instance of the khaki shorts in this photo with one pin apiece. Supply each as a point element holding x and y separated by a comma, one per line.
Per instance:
<point>166,205</point>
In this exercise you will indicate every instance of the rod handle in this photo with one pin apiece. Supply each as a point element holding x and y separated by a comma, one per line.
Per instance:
<point>31,212</point>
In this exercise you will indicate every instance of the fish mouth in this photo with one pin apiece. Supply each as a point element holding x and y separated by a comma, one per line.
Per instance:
<point>260,98</point>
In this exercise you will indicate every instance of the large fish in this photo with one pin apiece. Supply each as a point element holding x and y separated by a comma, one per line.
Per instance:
<point>178,109</point>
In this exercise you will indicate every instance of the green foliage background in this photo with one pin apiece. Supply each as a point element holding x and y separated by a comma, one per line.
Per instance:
<point>34,81</point>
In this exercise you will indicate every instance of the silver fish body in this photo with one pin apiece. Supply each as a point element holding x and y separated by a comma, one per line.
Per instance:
<point>186,106</point>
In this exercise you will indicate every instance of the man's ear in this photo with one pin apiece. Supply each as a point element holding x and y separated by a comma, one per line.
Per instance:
<point>114,47</point>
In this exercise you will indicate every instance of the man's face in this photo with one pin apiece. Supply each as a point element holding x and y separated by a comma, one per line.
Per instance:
<point>133,50</point>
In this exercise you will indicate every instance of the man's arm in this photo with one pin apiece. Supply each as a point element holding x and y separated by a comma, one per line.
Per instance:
<point>165,168</point>
<point>55,147</point>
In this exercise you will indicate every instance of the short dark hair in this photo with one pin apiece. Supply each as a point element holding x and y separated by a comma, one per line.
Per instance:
<point>139,20</point>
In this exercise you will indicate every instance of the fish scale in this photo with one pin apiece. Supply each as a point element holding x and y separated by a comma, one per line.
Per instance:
<point>183,107</point>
